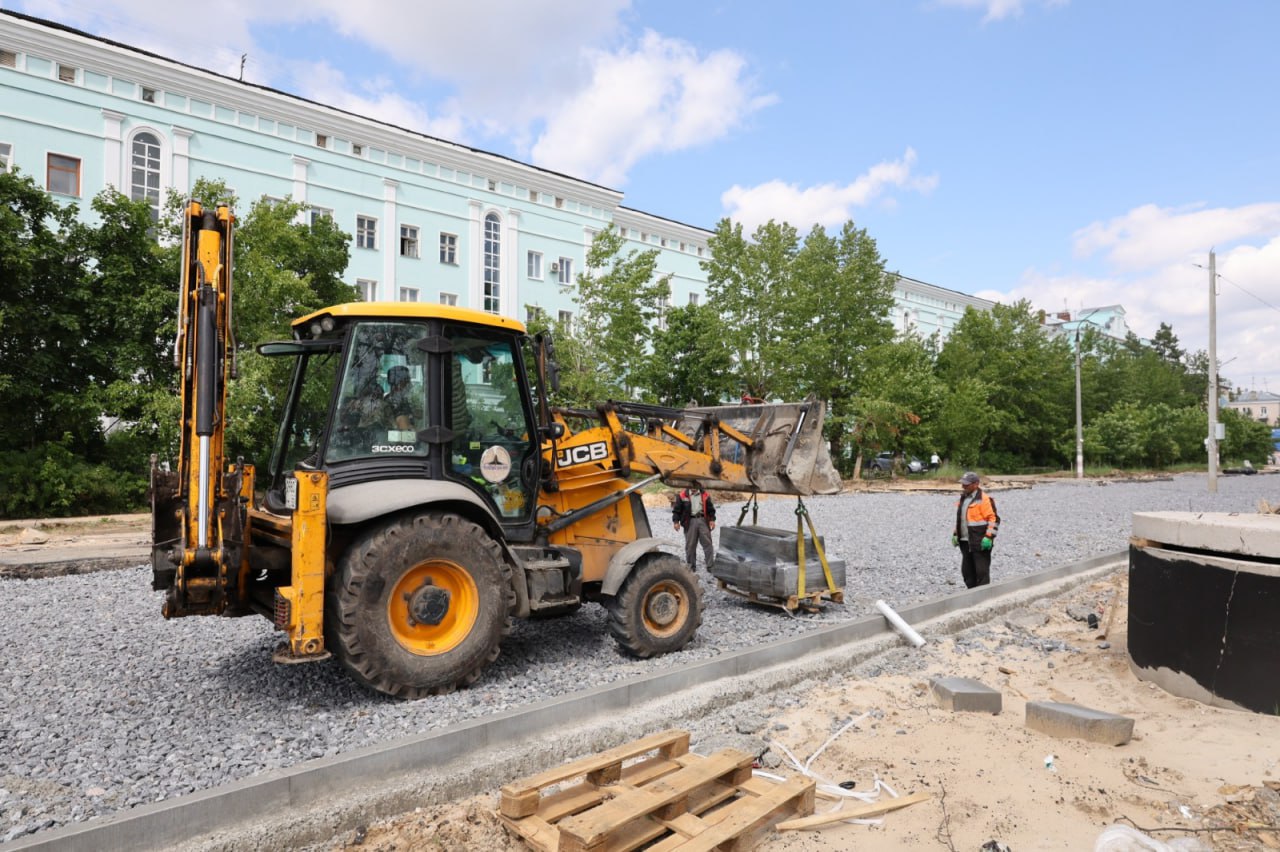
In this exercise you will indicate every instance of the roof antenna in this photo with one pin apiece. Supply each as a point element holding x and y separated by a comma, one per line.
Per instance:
<point>243,57</point>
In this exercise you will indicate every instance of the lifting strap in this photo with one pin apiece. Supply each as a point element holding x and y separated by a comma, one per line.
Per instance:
<point>754,506</point>
<point>802,516</point>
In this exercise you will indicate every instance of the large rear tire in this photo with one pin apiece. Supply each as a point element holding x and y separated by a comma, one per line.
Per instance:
<point>420,606</point>
<point>658,608</point>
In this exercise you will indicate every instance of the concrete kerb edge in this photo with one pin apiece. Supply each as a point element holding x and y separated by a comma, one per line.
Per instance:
<point>290,807</point>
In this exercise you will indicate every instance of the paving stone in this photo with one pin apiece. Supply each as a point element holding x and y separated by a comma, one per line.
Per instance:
<point>1071,721</point>
<point>966,694</point>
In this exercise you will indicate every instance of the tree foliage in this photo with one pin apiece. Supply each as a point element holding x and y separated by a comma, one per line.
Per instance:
<point>619,300</point>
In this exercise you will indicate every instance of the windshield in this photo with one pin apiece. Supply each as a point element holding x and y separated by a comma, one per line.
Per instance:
<point>382,399</point>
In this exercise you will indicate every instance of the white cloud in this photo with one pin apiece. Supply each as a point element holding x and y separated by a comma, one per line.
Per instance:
<point>376,99</point>
<point>826,204</point>
<point>660,97</point>
<point>1150,235</point>
<point>1157,269</point>
<point>998,10</point>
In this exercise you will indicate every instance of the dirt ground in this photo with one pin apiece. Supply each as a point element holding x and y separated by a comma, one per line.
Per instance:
<point>1194,776</point>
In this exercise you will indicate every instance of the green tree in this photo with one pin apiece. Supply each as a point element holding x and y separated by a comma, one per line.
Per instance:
<point>1027,378</point>
<point>748,281</point>
<point>619,301</point>
<point>46,304</point>
<point>691,362</point>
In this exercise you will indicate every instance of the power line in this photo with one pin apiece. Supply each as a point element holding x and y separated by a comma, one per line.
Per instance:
<point>1247,293</point>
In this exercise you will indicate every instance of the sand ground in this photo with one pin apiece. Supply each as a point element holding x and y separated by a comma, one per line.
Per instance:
<point>1197,776</point>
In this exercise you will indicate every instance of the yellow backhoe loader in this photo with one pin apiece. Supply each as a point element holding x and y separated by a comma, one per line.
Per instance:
<point>423,492</point>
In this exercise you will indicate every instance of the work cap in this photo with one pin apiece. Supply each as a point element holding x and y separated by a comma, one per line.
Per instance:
<point>969,478</point>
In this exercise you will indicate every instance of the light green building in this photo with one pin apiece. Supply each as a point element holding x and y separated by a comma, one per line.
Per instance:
<point>431,220</point>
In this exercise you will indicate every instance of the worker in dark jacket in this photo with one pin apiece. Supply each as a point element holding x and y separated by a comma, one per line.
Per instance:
<point>696,514</point>
<point>975,532</point>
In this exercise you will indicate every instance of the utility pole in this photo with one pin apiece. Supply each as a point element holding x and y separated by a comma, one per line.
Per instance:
<point>1211,443</point>
<point>1079,416</point>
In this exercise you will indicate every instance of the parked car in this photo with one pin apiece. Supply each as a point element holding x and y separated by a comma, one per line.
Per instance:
<point>915,465</point>
<point>880,465</point>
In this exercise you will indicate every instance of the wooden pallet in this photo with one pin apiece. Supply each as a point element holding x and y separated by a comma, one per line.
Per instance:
<point>652,790</point>
<point>809,600</point>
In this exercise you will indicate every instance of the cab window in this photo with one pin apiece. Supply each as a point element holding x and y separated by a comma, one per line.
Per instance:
<point>381,404</point>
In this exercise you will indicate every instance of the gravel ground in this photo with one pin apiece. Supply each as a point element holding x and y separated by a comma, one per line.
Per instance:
<point>106,706</point>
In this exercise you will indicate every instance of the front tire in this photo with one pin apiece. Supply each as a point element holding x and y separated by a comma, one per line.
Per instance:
<point>421,605</point>
<point>657,609</point>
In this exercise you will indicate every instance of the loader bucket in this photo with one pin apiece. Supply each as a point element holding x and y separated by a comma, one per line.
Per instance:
<point>788,454</point>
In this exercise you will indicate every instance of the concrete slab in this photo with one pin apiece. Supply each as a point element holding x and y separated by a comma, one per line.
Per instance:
<point>1242,535</point>
<point>1071,721</point>
<point>966,695</point>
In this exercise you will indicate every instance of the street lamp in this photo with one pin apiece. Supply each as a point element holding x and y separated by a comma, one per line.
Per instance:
<point>1079,415</point>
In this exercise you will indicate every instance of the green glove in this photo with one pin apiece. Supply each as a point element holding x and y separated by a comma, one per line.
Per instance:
<point>955,540</point>
<point>987,542</point>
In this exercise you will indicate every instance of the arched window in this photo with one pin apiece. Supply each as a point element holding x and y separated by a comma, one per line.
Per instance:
<point>144,173</point>
<point>492,264</point>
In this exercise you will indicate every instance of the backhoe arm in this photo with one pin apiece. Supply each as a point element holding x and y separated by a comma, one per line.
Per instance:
<point>197,511</point>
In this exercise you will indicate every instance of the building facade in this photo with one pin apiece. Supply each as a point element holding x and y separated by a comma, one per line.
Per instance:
<point>1261,406</point>
<point>430,220</point>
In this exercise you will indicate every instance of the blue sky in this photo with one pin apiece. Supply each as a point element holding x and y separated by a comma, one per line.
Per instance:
<point>1071,152</point>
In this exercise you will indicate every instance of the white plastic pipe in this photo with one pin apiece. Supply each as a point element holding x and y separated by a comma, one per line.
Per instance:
<point>896,620</point>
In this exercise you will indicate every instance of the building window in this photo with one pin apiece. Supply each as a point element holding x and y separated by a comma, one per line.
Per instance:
<point>66,73</point>
<point>492,264</point>
<point>408,241</point>
<point>532,314</point>
<point>6,156</point>
<point>315,214</point>
<point>322,141</point>
<point>449,248</point>
<point>63,175</point>
<point>535,265</point>
<point>564,270</point>
<point>566,321</point>
<point>8,59</point>
<point>148,95</point>
<point>357,150</point>
<point>367,289</point>
<point>664,304</point>
<point>144,175</point>
<point>693,299</point>
<point>450,299</point>
<point>408,294</point>
<point>366,232</point>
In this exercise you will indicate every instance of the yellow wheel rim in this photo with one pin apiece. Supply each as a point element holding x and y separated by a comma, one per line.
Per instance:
<point>665,608</point>
<point>454,606</point>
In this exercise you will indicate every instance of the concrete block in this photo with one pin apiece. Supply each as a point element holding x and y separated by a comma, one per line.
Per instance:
<point>1241,535</point>
<point>1071,721</point>
<point>966,694</point>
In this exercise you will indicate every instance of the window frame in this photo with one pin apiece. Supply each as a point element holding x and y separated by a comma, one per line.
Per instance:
<point>414,292</point>
<point>50,170</point>
<point>152,167</point>
<point>533,265</point>
<point>491,272</point>
<point>367,288</point>
<point>449,299</point>
<point>6,156</point>
<point>410,245</point>
<point>448,248</point>
<point>564,274</point>
<point>366,232</point>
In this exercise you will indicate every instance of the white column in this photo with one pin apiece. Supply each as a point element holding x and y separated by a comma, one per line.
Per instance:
<point>300,165</point>
<point>475,258</point>
<point>510,306</point>
<point>112,153</point>
<point>391,242</point>
<point>181,168</point>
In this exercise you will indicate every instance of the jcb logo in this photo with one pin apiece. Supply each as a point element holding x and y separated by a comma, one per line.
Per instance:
<point>581,455</point>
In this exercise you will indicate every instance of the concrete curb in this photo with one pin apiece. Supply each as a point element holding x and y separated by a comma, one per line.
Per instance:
<point>314,801</point>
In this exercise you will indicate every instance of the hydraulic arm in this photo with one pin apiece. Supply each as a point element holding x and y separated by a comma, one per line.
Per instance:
<point>198,510</point>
